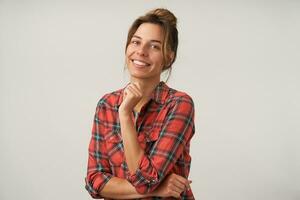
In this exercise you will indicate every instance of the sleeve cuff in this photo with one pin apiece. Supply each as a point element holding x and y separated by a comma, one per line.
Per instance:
<point>94,187</point>
<point>145,177</point>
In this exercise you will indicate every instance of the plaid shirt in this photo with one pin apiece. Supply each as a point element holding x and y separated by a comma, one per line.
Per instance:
<point>165,127</point>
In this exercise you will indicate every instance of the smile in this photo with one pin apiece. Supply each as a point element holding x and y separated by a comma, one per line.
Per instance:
<point>140,63</point>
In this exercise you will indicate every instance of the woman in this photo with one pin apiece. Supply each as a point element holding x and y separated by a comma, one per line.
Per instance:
<point>141,134</point>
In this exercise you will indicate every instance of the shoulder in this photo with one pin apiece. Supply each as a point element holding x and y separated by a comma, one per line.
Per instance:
<point>180,106</point>
<point>110,100</point>
<point>177,96</point>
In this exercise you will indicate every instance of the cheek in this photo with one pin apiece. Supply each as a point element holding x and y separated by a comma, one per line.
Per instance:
<point>128,54</point>
<point>158,58</point>
<point>130,49</point>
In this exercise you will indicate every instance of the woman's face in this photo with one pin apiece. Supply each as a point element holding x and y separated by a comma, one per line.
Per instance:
<point>144,55</point>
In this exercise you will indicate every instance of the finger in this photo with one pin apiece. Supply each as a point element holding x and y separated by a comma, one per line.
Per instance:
<point>183,181</point>
<point>132,91</point>
<point>175,194</point>
<point>174,187</point>
<point>137,85</point>
<point>136,89</point>
<point>180,186</point>
<point>127,92</point>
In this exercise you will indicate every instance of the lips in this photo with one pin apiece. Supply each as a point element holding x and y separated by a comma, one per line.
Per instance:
<point>140,63</point>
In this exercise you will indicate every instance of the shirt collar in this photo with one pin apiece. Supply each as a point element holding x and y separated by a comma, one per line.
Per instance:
<point>159,94</point>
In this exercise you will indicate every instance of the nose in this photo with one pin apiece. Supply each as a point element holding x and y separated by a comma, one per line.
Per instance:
<point>142,50</point>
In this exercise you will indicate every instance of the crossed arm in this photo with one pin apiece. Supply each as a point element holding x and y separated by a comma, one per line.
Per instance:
<point>150,174</point>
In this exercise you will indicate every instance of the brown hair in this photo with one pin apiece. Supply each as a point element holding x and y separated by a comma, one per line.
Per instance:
<point>167,21</point>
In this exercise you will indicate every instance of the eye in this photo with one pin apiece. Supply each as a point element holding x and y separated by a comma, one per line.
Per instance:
<point>153,46</point>
<point>135,42</point>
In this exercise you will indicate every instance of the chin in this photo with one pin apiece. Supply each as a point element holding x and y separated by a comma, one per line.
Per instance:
<point>139,76</point>
<point>137,73</point>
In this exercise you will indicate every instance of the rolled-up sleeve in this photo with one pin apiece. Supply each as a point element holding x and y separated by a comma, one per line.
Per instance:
<point>174,137</point>
<point>98,171</point>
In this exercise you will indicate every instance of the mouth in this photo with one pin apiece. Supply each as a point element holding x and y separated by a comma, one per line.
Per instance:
<point>140,63</point>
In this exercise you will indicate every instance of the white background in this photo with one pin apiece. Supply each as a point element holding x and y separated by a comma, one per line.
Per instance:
<point>239,60</point>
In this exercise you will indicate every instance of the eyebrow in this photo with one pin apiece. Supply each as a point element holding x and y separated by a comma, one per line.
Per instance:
<point>150,40</point>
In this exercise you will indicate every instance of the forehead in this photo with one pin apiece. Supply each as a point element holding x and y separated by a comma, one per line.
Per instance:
<point>150,31</point>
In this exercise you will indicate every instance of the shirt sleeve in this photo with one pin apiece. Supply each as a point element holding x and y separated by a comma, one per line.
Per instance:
<point>175,134</point>
<point>98,171</point>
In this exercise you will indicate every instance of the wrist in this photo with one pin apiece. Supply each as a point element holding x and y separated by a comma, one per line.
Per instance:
<point>125,116</point>
<point>124,111</point>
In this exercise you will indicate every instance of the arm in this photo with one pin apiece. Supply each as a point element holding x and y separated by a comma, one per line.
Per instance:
<point>103,184</point>
<point>118,188</point>
<point>132,148</point>
<point>98,172</point>
<point>99,180</point>
<point>150,170</point>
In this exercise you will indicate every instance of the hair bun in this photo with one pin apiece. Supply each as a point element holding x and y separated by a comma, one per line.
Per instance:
<point>165,15</point>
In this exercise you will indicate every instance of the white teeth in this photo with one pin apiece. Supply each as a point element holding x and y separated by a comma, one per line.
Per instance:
<point>140,63</point>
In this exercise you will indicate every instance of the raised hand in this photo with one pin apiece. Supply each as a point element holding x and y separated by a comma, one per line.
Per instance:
<point>132,95</point>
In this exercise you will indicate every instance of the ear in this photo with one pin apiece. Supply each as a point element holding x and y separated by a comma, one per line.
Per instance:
<point>171,55</point>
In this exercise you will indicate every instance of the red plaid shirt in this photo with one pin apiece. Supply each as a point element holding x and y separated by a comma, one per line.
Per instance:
<point>165,127</point>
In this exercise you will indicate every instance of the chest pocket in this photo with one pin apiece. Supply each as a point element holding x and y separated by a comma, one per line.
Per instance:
<point>115,149</point>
